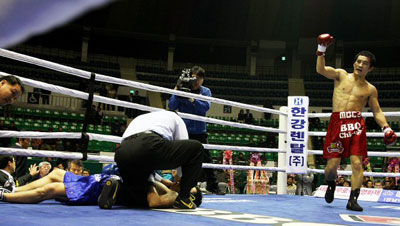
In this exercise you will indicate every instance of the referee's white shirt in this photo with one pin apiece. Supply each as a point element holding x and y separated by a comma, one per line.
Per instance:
<point>166,123</point>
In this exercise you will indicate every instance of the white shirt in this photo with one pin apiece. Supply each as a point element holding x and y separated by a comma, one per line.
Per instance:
<point>166,123</point>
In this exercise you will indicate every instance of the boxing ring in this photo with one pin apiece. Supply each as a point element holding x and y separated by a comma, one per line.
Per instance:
<point>278,209</point>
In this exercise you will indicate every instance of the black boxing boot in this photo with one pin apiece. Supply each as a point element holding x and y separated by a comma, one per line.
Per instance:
<point>108,195</point>
<point>352,204</point>
<point>330,191</point>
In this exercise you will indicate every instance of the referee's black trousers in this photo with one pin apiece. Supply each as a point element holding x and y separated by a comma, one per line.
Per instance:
<point>138,157</point>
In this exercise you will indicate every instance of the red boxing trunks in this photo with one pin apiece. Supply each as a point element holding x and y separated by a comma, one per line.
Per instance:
<point>346,135</point>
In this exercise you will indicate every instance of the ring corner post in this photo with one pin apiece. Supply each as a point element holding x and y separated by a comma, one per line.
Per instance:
<point>282,176</point>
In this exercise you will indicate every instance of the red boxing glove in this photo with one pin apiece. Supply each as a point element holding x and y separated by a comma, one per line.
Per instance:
<point>390,137</point>
<point>324,41</point>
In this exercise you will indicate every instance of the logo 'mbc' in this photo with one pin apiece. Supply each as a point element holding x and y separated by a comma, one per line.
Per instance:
<point>298,101</point>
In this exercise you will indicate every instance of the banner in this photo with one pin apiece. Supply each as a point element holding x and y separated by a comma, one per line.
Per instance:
<point>366,194</point>
<point>297,138</point>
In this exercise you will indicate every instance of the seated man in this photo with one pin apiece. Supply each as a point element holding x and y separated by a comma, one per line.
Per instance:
<point>7,168</point>
<point>85,190</point>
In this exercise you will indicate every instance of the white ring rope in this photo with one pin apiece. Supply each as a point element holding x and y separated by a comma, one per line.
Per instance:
<point>107,100</point>
<point>116,139</point>
<point>348,173</point>
<point>103,78</point>
<point>364,114</point>
<point>53,154</point>
<point>69,155</point>
<point>370,153</point>
<point>369,134</point>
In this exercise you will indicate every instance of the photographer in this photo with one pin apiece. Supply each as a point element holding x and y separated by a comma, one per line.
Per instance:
<point>191,80</point>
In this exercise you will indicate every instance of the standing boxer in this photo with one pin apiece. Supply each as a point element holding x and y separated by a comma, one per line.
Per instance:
<point>346,136</point>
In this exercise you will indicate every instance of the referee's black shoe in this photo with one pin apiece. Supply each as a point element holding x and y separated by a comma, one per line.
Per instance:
<point>184,203</point>
<point>108,195</point>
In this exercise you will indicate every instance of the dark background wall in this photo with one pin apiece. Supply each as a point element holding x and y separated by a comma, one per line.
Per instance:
<point>220,31</point>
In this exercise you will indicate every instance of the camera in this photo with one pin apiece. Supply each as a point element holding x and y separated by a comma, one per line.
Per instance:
<point>186,81</point>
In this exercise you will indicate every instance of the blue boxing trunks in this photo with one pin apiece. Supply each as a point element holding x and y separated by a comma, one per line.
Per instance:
<point>84,190</point>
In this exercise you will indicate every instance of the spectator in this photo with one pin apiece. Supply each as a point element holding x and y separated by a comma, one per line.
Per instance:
<point>370,184</point>
<point>388,185</point>
<point>112,93</point>
<point>59,145</point>
<point>61,164</point>
<point>134,97</point>
<point>103,92</point>
<point>99,116</point>
<point>340,181</point>
<point>21,161</point>
<point>241,116</point>
<point>86,172</point>
<point>314,122</point>
<point>7,168</point>
<point>44,170</point>
<point>249,117</point>
<point>75,167</point>
<point>11,88</point>
<point>291,186</point>
<point>69,146</point>
<point>116,129</point>
<point>267,104</point>
<point>304,184</point>
<point>241,160</point>
<point>378,184</point>
<point>346,183</point>
<point>13,127</point>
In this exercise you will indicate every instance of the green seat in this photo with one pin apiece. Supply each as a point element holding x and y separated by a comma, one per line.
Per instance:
<point>256,121</point>
<point>55,127</point>
<point>47,113</point>
<point>99,130</point>
<point>212,139</point>
<point>45,127</point>
<point>56,115</point>
<point>122,120</point>
<point>98,146</point>
<point>18,124</point>
<point>73,128</point>
<point>115,119</point>
<point>29,112</point>
<point>20,120</point>
<point>18,111</point>
<point>263,122</point>
<point>230,140</point>
<point>107,119</point>
<point>91,128</point>
<point>27,126</point>
<point>74,116</point>
<point>65,115</point>
<point>81,116</point>
<point>65,128</point>
<point>37,113</point>
<point>107,130</point>
<point>108,146</point>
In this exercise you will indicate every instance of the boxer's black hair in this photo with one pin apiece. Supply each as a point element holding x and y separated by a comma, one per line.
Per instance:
<point>371,56</point>
<point>13,81</point>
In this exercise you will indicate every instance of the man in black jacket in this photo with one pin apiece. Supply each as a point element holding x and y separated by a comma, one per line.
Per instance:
<point>21,161</point>
<point>7,168</point>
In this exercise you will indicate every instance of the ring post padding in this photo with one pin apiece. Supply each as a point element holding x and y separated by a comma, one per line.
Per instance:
<point>282,176</point>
